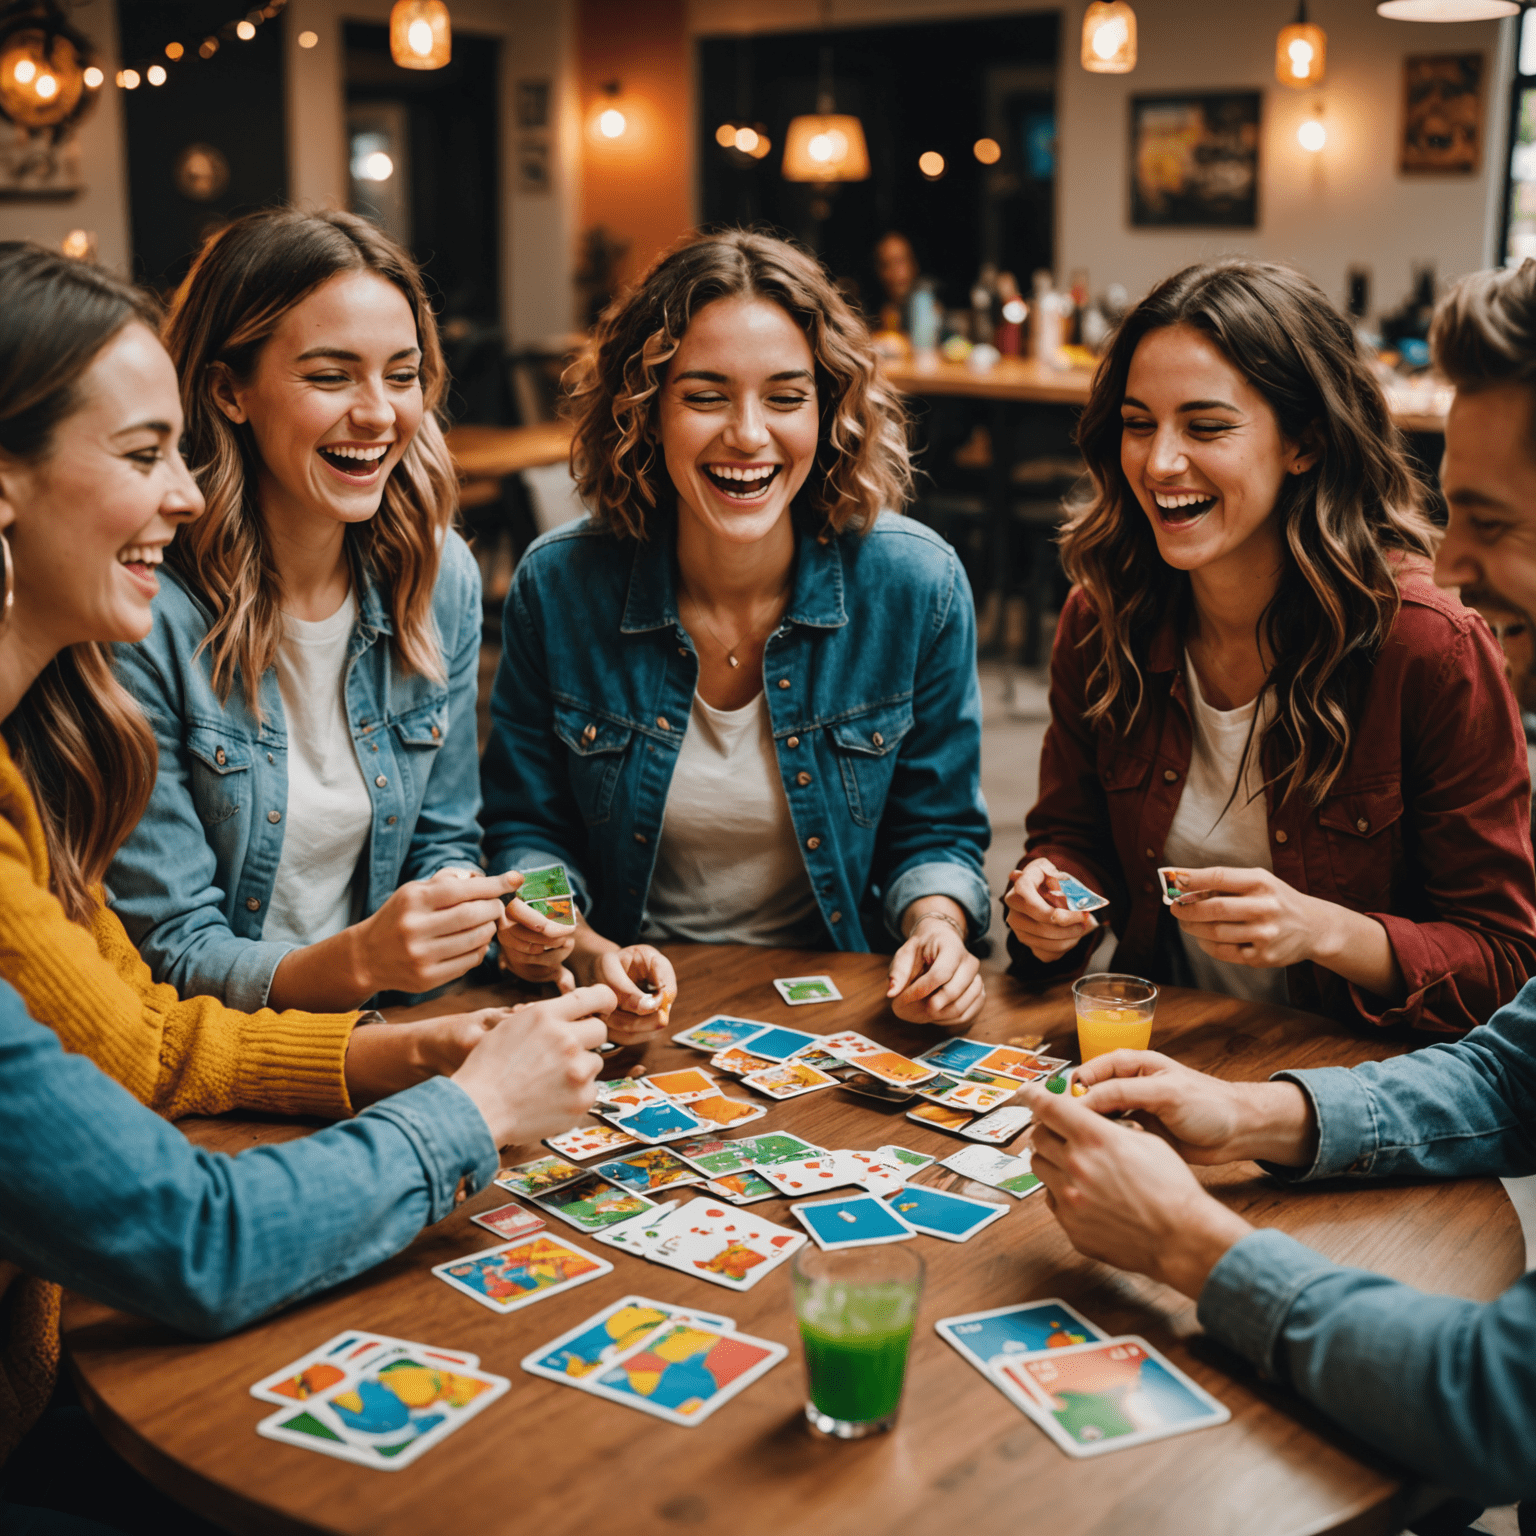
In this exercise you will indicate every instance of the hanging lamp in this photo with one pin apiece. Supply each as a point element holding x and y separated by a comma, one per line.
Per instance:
<point>1109,38</point>
<point>825,145</point>
<point>1301,52</point>
<point>420,36</point>
<point>42,69</point>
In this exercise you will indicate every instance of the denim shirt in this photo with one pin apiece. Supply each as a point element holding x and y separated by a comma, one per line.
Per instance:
<point>102,1195</point>
<point>1446,1387</point>
<point>871,685</point>
<point>193,883</point>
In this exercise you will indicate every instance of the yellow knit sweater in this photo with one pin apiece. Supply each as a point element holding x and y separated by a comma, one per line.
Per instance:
<point>189,1056</point>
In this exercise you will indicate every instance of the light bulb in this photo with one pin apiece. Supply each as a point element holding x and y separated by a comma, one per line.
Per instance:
<point>1312,135</point>
<point>1300,53</point>
<point>820,148</point>
<point>611,124</point>
<point>155,75</point>
<point>725,135</point>
<point>931,164</point>
<point>93,78</point>
<point>174,50</point>
<point>1110,37</point>
<point>24,71</point>
<point>46,87</point>
<point>988,151</point>
<point>129,79</point>
<point>308,39</point>
<point>419,36</point>
<point>745,140</point>
<point>244,31</point>
<point>376,166</point>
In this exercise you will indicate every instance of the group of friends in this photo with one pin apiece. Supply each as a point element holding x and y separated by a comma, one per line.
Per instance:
<point>242,800</point>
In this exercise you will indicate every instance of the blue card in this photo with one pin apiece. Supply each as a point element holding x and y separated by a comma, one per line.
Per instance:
<point>941,1214</point>
<point>1079,897</point>
<point>956,1055</point>
<point>1017,1330</point>
<point>659,1122</point>
<point>777,1043</point>
<point>719,1033</point>
<point>853,1222</point>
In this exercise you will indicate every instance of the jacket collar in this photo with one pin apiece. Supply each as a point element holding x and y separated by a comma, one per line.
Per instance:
<point>371,612</point>
<point>651,603</point>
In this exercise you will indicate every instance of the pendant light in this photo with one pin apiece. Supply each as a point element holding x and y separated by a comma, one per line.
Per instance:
<point>1301,52</point>
<point>825,145</point>
<point>42,73</point>
<point>1109,38</point>
<point>1446,10</point>
<point>420,36</point>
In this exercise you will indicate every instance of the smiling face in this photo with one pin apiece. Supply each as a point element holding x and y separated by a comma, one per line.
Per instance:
<point>333,401</point>
<point>738,418</point>
<point>1203,453</point>
<point>88,523</point>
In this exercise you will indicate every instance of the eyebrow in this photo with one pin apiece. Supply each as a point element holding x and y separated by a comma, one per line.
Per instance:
<point>1189,405</point>
<point>352,357</point>
<point>164,428</point>
<point>720,378</point>
<point>1468,497</point>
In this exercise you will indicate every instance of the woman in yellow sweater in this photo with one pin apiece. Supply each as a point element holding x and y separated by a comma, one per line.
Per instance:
<point>92,489</point>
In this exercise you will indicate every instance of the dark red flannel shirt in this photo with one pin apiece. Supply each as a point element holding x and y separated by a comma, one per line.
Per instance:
<point>1427,829</point>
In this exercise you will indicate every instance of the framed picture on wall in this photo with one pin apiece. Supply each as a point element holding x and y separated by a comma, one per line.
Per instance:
<point>1442,114</point>
<point>1195,160</point>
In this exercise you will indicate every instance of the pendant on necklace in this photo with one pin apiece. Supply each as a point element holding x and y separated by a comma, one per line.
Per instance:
<point>732,660</point>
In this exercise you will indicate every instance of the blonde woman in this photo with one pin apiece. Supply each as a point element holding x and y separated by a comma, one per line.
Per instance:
<point>740,702</point>
<point>311,673</point>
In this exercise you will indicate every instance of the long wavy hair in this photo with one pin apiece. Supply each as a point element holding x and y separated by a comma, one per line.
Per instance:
<point>861,466</point>
<point>86,752</point>
<point>1347,524</point>
<point>244,281</point>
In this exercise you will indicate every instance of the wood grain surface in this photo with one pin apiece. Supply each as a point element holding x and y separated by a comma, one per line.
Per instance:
<point>550,1460</point>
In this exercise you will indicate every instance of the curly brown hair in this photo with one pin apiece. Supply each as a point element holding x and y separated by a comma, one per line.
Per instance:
<point>862,465</point>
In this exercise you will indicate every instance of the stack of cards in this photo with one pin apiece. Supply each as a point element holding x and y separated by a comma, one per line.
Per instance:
<point>548,891</point>
<point>374,1400</point>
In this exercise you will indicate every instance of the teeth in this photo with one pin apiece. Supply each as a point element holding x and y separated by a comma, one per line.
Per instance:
<point>1169,503</point>
<point>367,455</point>
<point>732,472</point>
<point>140,554</point>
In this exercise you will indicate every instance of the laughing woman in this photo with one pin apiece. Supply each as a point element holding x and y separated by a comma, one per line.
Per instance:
<point>740,701</point>
<point>311,674</point>
<point>1256,681</point>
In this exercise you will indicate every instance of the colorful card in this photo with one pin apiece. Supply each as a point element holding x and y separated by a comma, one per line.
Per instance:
<point>744,1188</point>
<point>799,990</point>
<point>714,1155</point>
<point>862,1083</point>
<point>722,1110</point>
<point>683,1085</point>
<point>853,1221</point>
<point>601,1339</point>
<point>939,1213</point>
<point>940,1115</point>
<point>1010,1174</point>
<point>650,1171</point>
<point>589,1140</point>
<point>957,1055</point>
<point>659,1122</point>
<point>515,1274</point>
<point>1000,1127</point>
<point>558,909</point>
<point>788,1080</point>
<point>776,1043</point>
<point>537,1177</point>
<point>622,1094</point>
<point>976,1097</point>
<point>776,1147</point>
<point>1024,1328</point>
<point>1172,881</point>
<point>1104,1396</point>
<point>591,1203</point>
<point>546,881</point>
<point>638,1233</point>
<point>823,1061</point>
<point>876,1059</point>
<point>332,1362</point>
<point>738,1062</point>
<point>904,1159</point>
<point>1078,897</point>
<point>1009,1061</point>
<point>719,1033</point>
<point>510,1222</point>
<point>714,1241</point>
<point>811,1175</point>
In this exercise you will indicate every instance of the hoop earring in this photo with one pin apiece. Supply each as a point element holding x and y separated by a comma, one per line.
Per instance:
<point>10,581</point>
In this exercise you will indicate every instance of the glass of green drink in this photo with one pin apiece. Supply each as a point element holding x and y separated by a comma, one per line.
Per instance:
<point>857,1308</point>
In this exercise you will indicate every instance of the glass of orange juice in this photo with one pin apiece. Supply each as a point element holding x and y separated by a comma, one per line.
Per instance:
<point>1114,1012</point>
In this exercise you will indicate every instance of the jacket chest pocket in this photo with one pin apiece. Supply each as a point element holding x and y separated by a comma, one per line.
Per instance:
<point>866,751</point>
<point>595,750</point>
<point>221,773</point>
<point>1362,829</point>
<point>419,737</point>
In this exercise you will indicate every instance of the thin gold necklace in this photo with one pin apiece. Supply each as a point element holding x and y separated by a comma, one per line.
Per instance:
<point>730,650</point>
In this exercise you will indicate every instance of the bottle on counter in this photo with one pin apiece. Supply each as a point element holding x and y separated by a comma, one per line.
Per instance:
<point>924,322</point>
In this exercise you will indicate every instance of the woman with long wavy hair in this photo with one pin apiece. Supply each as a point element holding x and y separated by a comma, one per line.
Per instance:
<point>1290,762</point>
<point>311,674</point>
<point>739,702</point>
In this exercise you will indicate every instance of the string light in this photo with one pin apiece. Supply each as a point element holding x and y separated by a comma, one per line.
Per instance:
<point>931,164</point>
<point>174,51</point>
<point>988,151</point>
<point>308,39</point>
<point>93,78</point>
<point>128,79</point>
<point>155,74</point>
<point>244,31</point>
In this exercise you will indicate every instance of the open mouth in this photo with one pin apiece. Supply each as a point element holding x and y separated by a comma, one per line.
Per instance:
<point>742,483</point>
<point>356,463</point>
<point>142,561</point>
<point>1184,507</point>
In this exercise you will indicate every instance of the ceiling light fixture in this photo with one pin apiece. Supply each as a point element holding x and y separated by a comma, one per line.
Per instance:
<point>1109,38</point>
<point>420,34</point>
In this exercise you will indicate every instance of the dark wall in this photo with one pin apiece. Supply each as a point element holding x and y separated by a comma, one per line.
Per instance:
<point>232,103</point>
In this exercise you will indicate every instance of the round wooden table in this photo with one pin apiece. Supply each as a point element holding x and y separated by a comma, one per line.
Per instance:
<point>549,1460</point>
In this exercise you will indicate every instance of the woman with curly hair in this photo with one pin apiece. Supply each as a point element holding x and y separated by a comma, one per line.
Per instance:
<point>1256,687</point>
<point>739,702</point>
<point>311,675</point>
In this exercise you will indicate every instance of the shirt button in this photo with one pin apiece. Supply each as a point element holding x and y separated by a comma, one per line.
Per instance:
<point>682,650</point>
<point>590,734</point>
<point>1362,825</point>
<point>1170,774</point>
<point>437,735</point>
<point>1280,836</point>
<point>639,837</point>
<point>362,725</point>
<point>802,778</point>
<point>389,821</point>
<point>373,746</point>
<point>793,741</point>
<point>270,758</point>
<point>813,843</point>
<point>661,720</point>
<point>219,757</point>
<point>382,782</point>
<point>836,917</point>
<point>252,904</point>
<point>783,682</point>
<point>878,739</point>
<point>274,817</point>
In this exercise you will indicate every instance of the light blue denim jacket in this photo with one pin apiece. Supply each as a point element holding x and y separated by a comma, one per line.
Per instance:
<point>872,691</point>
<point>102,1195</point>
<point>1445,1387</point>
<point>194,881</point>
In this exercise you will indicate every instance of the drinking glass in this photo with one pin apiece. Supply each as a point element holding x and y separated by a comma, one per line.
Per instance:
<point>857,1308</point>
<point>1114,1012</point>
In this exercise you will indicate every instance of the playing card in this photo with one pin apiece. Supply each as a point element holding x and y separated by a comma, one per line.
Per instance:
<point>889,1066</point>
<point>799,990</point>
<point>776,1147</point>
<point>658,1122</point>
<point>777,1043</point>
<point>515,1274</point>
<point>744,1188</point>
<point>558,909</point>
<point>535,1178</point>
<point>788,1080</point>
<point>510,1221</point>
<point>650,1170</point>
<point>810,1175</point>
<point>976,1097</point>
<point>940,1115</point>
<point>1000,1127</point>
<point>852,1221</point>
<point>1172,883</point>
<point>589,1140</point>
<point>942,1214</point>
<point>904,1159</point>
<point>1051,1063</point>
<point>1009,1061</point>
<point>1106,1395</point>
<point>722,1110</point>
<point>719,1033</point>
<point>597,1342</point>
<point>862,1083</point>
<point>592,1203</point>
<point>734,1060</point>
<point>622,1094</point>
<point>684,1085</point>
<point>814,1056</point>
<point>638,1233</point>
<point>1021,1329</point>
<point>956,1055</point>
<point>687,1370</point>
<point>546,881</point>
<point>333,1361</point>
<point>1077,895</point>
<point>716,1242</point>
<point>713,1155</point>
<point>1010,1174</point>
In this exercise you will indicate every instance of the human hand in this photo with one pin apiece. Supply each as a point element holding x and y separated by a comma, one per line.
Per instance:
<point>641,1014</point>
<point>1204,1119</point>
<point>1125,1197</point>
<point>1252,917</point>
<point>533,1075</point>
<point>1038,915</point>
<point>934,978</point>
<point>385,1058</point>
<point>429,932</point>
<point>534,947</point>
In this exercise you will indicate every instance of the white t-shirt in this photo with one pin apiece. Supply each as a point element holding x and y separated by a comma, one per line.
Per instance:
<point>1207,830</point>
<point>728,867</point>
<point>329,814</point>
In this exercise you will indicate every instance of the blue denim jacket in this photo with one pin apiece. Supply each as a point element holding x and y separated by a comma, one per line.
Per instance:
<point>193,883</point>
<point>102,1195</point>
<point>871,686</point>
<point>1444,1386</point>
